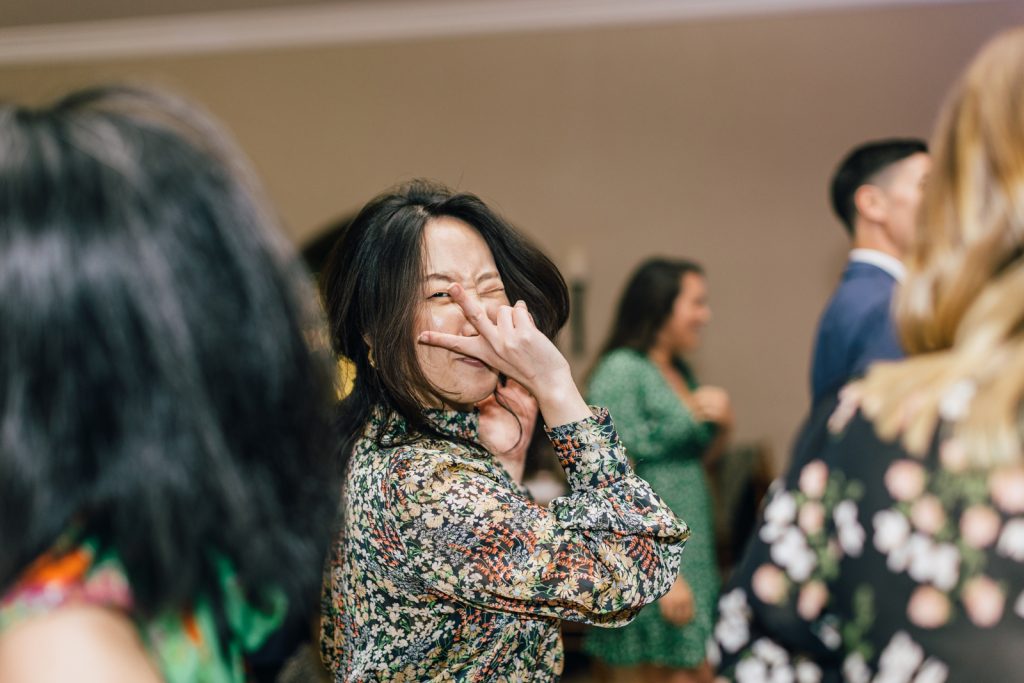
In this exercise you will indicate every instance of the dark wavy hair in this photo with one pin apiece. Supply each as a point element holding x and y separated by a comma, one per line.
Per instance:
<point>646,303</point>
<point>158,389</point>
<point>372,286</point>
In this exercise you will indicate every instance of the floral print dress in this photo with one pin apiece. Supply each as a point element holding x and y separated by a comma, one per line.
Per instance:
<point>875,565</point>
<point>445,569</point>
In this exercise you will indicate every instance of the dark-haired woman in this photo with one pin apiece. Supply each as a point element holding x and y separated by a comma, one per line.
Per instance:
<point>672,427</point>
<point>444,568</point>
<point>167,482</point>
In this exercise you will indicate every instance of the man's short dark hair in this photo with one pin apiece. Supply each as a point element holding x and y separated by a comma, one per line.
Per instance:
<point>862,164</point>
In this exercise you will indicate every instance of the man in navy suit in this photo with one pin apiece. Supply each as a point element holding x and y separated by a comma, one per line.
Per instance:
<point>875,193</point>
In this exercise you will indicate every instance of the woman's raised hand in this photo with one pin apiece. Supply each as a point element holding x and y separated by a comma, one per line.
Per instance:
<point>513,346</point>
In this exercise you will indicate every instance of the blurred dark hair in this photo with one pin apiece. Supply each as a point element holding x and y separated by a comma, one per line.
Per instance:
<point>157,389</point>
<point>372,287</point>
<point>316,251</point>
<point>646,303</point>
<point>863,164</point>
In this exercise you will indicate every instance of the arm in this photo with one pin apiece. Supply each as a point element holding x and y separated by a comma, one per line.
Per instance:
<point>597,555</point>
<point>712,406</point>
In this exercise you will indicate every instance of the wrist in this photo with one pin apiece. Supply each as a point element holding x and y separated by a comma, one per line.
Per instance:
<point>560,402</point>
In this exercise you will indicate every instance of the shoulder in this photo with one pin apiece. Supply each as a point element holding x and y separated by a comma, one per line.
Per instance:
<point>431,465</point>
<point>857,299</point>
<point>81,643</point>
<point>622,362</point>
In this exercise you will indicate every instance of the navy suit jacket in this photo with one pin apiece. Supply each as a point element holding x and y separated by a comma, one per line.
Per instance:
<point>856,329</point>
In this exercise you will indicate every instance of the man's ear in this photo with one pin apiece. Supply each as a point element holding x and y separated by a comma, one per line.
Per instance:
<point>871,203</point>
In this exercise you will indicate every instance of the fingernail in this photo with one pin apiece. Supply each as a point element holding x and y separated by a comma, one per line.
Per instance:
<point>455,288</point>
<point>422,337</point>
<point>521,303</point>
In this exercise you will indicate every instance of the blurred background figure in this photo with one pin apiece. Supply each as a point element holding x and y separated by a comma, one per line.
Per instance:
<point>894,547</point>
<point>167,483</point>
<point>875,193</point>
<point>672,428</point>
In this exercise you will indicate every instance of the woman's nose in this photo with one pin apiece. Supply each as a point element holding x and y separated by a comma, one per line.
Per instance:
<point>490,307</point>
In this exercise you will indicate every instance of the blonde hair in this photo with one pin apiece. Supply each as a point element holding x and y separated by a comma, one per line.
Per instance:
<point>961,311</point>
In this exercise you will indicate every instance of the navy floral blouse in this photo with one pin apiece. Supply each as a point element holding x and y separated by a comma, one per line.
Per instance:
<point>876,565</point>
<point>446,570</point>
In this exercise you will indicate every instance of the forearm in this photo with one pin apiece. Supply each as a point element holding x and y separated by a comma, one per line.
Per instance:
<point>717,447</point>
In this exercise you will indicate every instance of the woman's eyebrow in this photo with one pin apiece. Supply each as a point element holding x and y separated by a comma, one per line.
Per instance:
<point>451,277</point>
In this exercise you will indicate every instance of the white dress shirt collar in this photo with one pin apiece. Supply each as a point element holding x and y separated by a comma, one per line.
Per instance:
<point>886,262</point>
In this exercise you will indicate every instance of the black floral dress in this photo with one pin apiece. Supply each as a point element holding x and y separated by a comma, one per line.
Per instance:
<point>446,570</point>
<point>872,564</point>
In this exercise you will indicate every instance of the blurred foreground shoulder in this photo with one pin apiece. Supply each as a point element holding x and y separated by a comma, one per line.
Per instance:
<point>86,644</point>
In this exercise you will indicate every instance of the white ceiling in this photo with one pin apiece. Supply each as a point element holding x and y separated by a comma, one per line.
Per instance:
<point>38,12</point>
<point>59,30</point>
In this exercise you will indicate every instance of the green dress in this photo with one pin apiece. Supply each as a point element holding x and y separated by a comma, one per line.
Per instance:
<point>666,444</point>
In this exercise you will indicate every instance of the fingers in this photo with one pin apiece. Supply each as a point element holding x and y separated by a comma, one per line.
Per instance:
<point>521,315</point>
<point>476,347</point>
<point>505,324</point>
<point>475,313</point>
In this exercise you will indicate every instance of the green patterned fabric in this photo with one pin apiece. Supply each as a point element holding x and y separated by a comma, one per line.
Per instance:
<point>184,644</point>
<point>666,444</point>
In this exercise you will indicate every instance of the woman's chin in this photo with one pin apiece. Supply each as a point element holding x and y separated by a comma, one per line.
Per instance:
<point>468,397</point>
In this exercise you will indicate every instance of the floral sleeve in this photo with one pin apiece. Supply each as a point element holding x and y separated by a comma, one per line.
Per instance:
<point>597,555</point>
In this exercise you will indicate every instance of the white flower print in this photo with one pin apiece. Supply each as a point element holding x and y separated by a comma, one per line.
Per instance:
<point>751,670</point>
<point>770,652</point>
<point>855,669</point>
<point>903,658</point>
<point>1011,541</point>
<point>767,663</point>
<point>778,516</point>
<point>899,660</point>
<point>793,554</point>
<point>933,671</point>
<point>938,564</point>
<point>830,636</point>
<point>891,530</point>
<point>732,634</point>
<point>808,672</point>
<point>734,603</point>
<point>732,630</point>
<point>713,653</point>
<point>946,566</point>
<point>782,674</point>
<point>851,534</point>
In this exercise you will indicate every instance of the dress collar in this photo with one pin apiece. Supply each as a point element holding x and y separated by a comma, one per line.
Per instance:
<point>458,424</point>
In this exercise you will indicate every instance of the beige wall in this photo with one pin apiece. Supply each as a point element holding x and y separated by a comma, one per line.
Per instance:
<point>710,139</point>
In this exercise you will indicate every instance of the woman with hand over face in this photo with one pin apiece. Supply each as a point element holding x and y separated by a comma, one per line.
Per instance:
<point>167,482</point>
<point>444,568</point>
<point>672,427</point>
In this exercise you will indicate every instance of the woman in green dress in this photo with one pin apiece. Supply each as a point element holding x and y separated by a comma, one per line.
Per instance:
<point>672,427</point>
